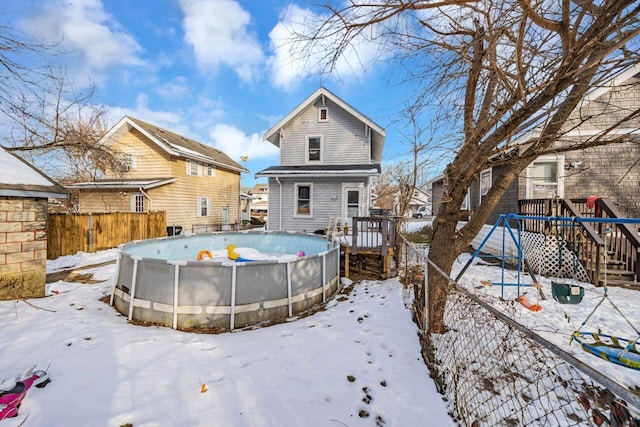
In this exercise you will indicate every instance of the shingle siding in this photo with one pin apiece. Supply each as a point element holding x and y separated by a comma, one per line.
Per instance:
<point>611,171</point>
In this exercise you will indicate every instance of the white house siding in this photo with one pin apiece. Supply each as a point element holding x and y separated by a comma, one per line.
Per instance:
<point>343,137</point>
<point>323,205</point>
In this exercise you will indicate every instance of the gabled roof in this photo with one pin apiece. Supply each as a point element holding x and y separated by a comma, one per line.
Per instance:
<point>123,184</point>
<point>590,96</point>
<point>377,132</point>
<point>20,179</point>
<point>320,170</point>
<point>172,143</point>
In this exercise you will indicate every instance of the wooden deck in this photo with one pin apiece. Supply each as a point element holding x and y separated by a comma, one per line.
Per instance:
<point>370,248</point>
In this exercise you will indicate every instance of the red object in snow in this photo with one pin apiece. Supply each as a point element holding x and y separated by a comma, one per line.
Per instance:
<point>522,299</point>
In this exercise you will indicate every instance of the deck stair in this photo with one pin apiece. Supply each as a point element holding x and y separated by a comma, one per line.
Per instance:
<point>620,242</point>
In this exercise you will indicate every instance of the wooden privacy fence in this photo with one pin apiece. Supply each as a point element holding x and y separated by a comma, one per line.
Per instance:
<point>71,233</point>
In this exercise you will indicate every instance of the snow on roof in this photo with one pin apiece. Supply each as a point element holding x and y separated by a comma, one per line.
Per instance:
<point>18,178</point>
<point>15,171</point>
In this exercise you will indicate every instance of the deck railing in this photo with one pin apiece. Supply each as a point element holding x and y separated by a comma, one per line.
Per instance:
<point>373,233</point>
<point>588,241</point>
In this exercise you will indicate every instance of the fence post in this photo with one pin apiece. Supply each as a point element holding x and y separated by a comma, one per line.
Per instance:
<point>289,302</point>
<point>232,310</point>
<point>90,237</point>
<point>426,289</point>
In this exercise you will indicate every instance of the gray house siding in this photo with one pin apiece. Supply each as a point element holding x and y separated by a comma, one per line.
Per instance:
<point>437,193</point>
<point>611,171</point>
<point>323,205</point>
<point>509,201</point>
<point>610,108</point>
<point>343,137</point>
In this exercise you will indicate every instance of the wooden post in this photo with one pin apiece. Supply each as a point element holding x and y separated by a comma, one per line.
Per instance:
<point>91,241</point>
<point>346,262</point>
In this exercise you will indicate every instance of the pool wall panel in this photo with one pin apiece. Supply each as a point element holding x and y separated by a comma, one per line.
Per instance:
<point>205,289</point>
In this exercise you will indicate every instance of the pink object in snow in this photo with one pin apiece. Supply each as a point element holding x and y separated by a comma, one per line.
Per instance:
<point>13,391</point>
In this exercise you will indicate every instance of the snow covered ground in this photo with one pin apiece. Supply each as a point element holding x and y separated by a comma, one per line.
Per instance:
<point>556,322</point>
<point>357,363</point>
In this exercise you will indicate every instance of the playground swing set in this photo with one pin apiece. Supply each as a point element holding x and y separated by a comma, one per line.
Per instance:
<point>617,350</point>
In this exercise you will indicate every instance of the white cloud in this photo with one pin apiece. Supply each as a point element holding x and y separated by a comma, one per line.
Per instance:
<point>294,59</point>
<point>94,40</point>
<point>217,30</point>
<point>165,119</point>
<point>235,143</point>
<point>176,88</point>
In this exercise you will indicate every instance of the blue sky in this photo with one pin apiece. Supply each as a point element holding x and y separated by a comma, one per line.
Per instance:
<point>213,70</point>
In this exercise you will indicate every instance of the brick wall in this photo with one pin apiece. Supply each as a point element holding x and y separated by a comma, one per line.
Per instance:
<point>23,247</point>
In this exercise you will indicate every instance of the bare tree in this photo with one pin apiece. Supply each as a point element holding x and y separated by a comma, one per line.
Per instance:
<point>503,68</point>
<point>44,118</point>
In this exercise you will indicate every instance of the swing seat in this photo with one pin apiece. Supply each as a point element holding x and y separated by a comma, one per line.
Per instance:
<point>565,293</point>
<point>620,351</point>
<point>525,302</point>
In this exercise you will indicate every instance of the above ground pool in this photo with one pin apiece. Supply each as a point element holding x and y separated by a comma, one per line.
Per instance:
<point>242,278</point>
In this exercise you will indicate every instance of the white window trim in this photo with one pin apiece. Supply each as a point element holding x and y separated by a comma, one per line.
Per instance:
<point>559,158</point>
<point>199,205</point>
<point>306,149</point>
<point>490,170</point>
<point>326,109</point>
<point>295,199</point>
<point>364,195</point>
<point>206,170</point>
<point>224,218</point>
<point>133,202</point>
<point>198,167</point>
<point>466,203</point>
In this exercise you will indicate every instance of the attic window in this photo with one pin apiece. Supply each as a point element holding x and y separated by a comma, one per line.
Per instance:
<point>323,114</point>
<point>193,168</point>
<point>127,162</point>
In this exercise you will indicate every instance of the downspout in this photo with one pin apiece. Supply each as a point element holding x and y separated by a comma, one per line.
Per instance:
<point>147,196</point>
<point>280,207</point>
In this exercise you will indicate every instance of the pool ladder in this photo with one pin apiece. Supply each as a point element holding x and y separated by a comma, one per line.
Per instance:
<point>335,230</point>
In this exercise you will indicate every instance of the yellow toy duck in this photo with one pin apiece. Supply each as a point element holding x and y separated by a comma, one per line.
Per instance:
<point>231,253</point>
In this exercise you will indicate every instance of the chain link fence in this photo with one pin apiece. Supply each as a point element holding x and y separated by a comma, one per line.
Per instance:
<point>495,372</point>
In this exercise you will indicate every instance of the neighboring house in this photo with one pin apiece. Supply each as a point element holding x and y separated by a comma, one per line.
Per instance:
<point>246,201</point>
<point>329,154</point>
<point>611,171</point>
<point>197,185</point>
<point>24,192</point>
<point>260,205</point>
<point>420,201</point>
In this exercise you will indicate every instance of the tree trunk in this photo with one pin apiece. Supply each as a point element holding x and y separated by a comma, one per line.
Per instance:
<point>443,253</point>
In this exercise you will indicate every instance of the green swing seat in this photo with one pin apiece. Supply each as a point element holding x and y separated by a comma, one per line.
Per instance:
<point>566,293</point>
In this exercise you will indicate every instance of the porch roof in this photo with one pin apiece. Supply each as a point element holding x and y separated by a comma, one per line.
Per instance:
<point>320,171</point>
<point>115,184</point>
